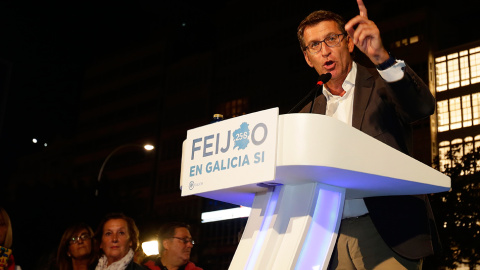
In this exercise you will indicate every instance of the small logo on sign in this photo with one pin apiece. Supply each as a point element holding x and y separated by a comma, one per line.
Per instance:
<point>240,136</point>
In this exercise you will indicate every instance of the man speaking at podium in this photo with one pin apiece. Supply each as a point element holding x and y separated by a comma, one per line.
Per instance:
<point>391,232</point>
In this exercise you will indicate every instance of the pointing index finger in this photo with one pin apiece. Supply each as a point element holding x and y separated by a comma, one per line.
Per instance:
<point>362,8</point>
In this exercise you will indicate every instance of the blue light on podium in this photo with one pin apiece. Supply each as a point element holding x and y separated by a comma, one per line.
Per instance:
<point>323,221</point>
<point>272,205</point>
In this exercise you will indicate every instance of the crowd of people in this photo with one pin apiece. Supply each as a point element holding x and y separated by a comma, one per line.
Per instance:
<point>113,246</point>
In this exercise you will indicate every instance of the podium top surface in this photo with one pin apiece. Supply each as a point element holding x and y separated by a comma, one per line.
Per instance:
<point>318,148</point>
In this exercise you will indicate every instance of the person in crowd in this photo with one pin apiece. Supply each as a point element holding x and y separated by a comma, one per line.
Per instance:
<point>391,232</point>
<point>118,236</point>
<point>76,250</point>
<point>175,245</point>
<point>7,261</point>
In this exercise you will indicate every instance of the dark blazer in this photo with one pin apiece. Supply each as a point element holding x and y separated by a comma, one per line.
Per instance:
<point>385,111</point>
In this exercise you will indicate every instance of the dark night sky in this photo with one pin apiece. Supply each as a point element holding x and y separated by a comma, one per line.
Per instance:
<point>48,45</point>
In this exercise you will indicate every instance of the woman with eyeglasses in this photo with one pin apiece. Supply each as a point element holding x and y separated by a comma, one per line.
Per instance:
<point>77,248</point>
<point>119,239</point>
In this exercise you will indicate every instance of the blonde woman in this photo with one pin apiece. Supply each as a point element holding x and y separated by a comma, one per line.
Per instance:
<point>6,257</point>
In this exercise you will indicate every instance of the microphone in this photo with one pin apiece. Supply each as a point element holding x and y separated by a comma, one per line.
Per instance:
<point>323,79</point>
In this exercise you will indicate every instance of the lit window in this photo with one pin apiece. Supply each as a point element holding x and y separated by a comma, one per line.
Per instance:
<point>475,67</point>
<point>452,56</point>
<point>468,148</point>
<point>444,147</point>
<point>455,113</point>
<point>441,71</point>
<point>413,39</point>
<point>453,73</point>
<point>474,50</point>
<point>468,144</point>
<point>464,71</point>
<point>476,108</point>
<point>477,145</point>
<point>443,119</point>
<point>457,69</point>
<point>457,145</point>
<point>466,111</point>
<point>477,141</point>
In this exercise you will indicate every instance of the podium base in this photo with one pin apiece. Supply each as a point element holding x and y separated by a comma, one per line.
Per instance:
<point>291,227</point>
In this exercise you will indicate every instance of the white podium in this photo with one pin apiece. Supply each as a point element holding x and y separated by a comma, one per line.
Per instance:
<point>320,162</point>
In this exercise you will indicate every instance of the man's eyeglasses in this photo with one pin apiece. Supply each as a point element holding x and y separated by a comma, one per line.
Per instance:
<point>330,41</point>
<point>185,240</point>
<point>82,237</point>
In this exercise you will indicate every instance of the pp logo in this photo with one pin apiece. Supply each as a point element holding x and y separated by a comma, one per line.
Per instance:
<point>191,185</point>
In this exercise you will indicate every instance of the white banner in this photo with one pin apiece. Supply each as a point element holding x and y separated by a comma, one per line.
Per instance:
<point>234,152</point>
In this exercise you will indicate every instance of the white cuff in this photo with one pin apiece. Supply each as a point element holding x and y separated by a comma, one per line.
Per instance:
<point>393,73</point>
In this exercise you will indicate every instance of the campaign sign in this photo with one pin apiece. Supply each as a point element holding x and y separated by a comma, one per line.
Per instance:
<point>234,152</point>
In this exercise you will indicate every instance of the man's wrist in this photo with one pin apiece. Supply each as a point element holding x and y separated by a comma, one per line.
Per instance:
<point>387,63</point>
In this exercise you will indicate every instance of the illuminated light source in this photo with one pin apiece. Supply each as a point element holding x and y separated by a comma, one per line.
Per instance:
<point>150,247</point>
<point>269,212</point>
<point>226,214</point>
<point>325,220</point>
<point>34,140</point>
<point>148,147</point>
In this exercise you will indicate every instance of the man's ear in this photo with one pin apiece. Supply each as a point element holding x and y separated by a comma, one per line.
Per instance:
<point>307,58</point>
<point>166,244</point>
<point>350,44</point>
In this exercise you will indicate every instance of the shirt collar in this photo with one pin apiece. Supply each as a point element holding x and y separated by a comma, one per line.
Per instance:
<point>347,85</point>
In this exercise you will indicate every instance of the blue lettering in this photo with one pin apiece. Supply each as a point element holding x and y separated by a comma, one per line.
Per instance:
<point>256,157</point>
<point>222,166</point>
<point>208,168</point>
<point>234,165</point>
<point>216,167</point>
<point>245,161</point>
<point>194,148</point>
<point>207,145</point>
<point>195,170</point>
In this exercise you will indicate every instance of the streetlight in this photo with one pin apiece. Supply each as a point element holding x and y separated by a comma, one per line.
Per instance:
<point>147,147</point>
